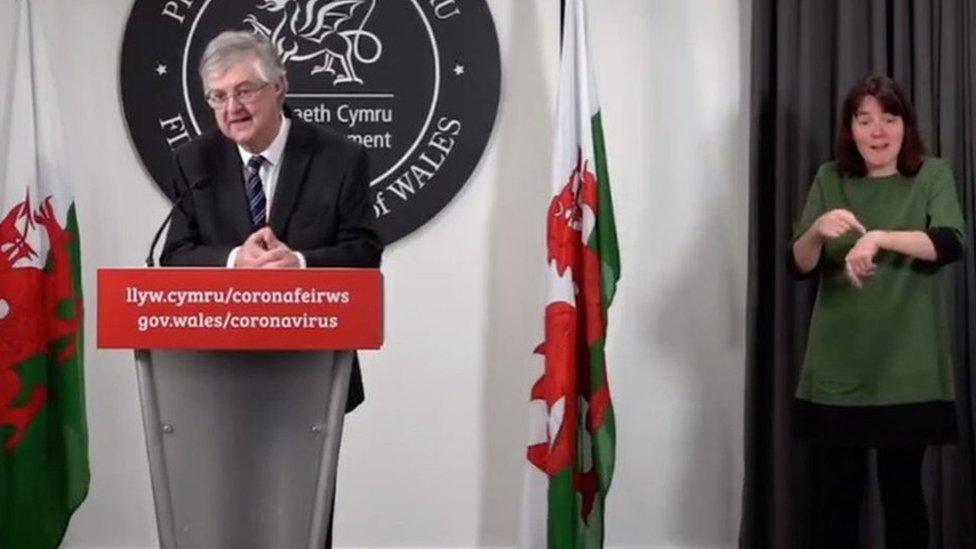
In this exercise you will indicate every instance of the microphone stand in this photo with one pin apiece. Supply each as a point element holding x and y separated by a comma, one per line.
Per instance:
<point>201,184</point>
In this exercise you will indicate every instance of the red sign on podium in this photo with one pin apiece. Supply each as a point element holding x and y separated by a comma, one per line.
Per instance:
<point>247,309</point>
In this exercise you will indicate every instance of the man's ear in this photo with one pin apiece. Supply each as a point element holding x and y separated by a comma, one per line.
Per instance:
<point>280,87</point>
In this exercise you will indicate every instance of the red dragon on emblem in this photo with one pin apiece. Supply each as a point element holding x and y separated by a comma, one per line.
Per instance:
<point>570,330</point>
<point>31,299</point>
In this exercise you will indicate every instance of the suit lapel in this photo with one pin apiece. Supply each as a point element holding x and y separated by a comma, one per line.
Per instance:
<point>230,188</point>
<point>294,164</point>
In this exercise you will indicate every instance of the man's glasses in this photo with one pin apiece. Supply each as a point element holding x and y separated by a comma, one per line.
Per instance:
<point>247,93</point>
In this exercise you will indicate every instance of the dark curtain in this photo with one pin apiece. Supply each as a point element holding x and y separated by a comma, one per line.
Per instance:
<point>805,56</point>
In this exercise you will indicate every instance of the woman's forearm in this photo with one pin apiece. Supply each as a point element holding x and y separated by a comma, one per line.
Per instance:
<point>806,250</point>
<point>915,244</point>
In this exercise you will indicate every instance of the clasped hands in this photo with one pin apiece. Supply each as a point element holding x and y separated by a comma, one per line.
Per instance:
<point>263,250</point>
<point>859,263</point>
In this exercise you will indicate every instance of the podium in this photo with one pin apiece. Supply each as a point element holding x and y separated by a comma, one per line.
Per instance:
<point>243,377</point>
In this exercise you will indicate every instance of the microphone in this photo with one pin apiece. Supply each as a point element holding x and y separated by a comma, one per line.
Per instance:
<point>196,186</point>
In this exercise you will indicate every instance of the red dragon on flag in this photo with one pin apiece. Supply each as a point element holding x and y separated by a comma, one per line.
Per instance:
<point>570,457</point>
<point>566,386</point>
<point>44,469</point>
<point>24,291</point>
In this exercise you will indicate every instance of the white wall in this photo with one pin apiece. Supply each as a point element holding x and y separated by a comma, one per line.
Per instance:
<point>434,458</point>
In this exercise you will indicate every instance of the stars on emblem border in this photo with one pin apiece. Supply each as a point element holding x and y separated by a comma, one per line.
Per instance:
<point>160,69</point>
<point>458,69</point>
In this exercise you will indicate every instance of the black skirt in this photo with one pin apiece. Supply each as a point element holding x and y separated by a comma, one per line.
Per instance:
<point>932,422</point>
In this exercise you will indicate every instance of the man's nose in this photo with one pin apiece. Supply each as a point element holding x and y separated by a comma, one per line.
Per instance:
<point>233,104</point>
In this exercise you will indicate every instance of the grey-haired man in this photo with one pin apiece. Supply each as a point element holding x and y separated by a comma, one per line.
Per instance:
<point>281,192</point>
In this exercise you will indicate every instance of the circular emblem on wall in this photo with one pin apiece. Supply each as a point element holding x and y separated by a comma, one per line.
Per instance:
<point>414,81</point>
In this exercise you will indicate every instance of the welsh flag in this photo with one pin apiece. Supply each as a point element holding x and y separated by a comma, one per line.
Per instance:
<point>570,460</point>
<point>43,437</point>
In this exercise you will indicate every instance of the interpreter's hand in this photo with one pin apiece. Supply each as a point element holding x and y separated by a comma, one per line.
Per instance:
<point>836,223</point>
<point>859,263</point>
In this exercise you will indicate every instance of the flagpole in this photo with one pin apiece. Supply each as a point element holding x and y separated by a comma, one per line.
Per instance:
<point>562,22</point>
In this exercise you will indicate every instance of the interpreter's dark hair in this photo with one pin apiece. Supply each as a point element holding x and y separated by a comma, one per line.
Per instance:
<point>893,101</point>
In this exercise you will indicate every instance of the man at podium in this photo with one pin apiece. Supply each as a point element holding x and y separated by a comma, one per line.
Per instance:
<point>265,190</point>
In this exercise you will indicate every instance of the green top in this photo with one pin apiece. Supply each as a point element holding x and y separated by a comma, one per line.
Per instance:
<point>886,343</point>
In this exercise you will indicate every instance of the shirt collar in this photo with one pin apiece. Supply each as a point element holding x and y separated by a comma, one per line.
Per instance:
<point>272,155</point>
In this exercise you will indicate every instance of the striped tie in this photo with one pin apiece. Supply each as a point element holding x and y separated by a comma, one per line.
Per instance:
<point>256,201</point>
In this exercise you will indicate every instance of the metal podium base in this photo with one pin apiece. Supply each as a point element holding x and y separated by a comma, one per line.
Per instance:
<point>243,446</point>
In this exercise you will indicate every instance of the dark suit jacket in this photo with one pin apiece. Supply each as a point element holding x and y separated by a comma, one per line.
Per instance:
<point>321,206</point>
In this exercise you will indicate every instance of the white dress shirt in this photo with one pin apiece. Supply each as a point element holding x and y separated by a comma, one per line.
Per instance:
<point>269,172</point>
